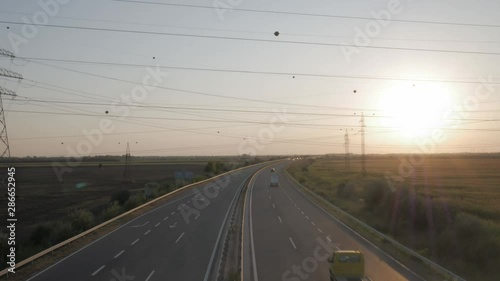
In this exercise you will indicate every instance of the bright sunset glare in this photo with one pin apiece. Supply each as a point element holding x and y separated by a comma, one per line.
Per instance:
<point>415,110</point>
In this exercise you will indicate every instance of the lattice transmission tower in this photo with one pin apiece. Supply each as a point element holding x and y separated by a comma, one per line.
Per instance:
<point>363,157</point>
<point>127,174</point>
<point>347,155</point>
<point>4,139</point>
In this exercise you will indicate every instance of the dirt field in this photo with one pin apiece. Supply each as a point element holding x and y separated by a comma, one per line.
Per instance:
<point>43,198</point>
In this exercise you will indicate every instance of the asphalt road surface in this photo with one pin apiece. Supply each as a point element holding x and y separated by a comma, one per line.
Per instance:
<point>288,237</point>
<point>172,242</point>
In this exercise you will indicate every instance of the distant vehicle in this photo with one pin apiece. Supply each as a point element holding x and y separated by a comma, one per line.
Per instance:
<point>274,180</point>
<point>347,265</point>
<point>273,170</point>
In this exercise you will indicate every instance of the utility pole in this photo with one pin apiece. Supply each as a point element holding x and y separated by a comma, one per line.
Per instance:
<point>4,139</point>
<point>127,174</point>
<point>363,157</point>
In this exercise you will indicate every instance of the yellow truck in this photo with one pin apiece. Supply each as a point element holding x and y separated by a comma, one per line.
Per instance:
<point>347,265</point>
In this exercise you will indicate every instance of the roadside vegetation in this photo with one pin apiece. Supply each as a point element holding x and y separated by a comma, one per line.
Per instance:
<point>447,210</point>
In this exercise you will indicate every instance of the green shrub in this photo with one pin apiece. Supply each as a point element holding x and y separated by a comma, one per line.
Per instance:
<point>209,168</point>
<point>199,178</point>
<point>130,204</point>
<point>219,167</point>
<point>3,245</point>
<point>41,234</point>
<point>165,188</point>
<point>120,196</point>
<point>134,201</point>
<point>376,194</point>
<point>346,190</point>
<point>81,220</point>
<point>61,231</point>
<point>112,211</point>
<point>446,244</point>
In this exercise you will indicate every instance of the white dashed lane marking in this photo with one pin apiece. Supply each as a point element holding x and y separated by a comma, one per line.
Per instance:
<point>293,244</point>
<point>99,269</point>
<point>117,255</point>
<point>179,238</point>
<point>149,276</point>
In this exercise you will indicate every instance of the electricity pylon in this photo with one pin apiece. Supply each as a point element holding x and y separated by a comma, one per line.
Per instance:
<point>346,146</point>
<point>127,174</point>
<point>363,157</point>
<point>4,139</point>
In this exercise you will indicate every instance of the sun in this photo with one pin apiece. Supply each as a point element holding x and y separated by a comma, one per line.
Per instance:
<point>415,110</point>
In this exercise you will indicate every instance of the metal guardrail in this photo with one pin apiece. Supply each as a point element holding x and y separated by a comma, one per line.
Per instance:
<point>83,234</point>
<point>436,267</point>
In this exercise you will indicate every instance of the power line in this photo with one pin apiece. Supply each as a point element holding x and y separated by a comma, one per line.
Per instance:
<point>244,122</point>
<point>246,71</point>
<point>99,97</point>
<point>188,91</point>
<point>239,137</point>
<point>259,32</point>
<point>255,100</point>
<point>144,123</point>
<point>305,14</point>
<point>235,110</point>
<point>214,95</point>
<point>252,39</point>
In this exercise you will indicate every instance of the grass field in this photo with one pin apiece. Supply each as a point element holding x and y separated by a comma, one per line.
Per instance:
<point>447,209</point>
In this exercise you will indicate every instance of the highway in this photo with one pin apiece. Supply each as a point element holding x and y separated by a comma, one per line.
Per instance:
<point>171,242</point>
<point>288,237</point>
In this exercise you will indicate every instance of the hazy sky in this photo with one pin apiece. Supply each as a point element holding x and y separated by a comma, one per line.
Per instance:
<point>279,96</point>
